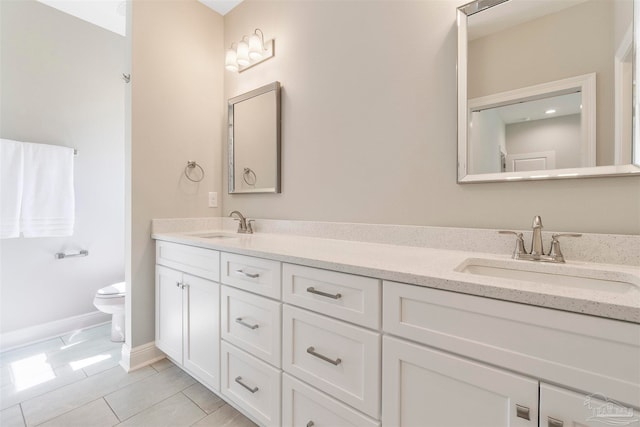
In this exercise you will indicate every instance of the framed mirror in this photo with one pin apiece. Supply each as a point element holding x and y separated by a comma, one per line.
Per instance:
<point>254,141</point>
<point>546,89</point>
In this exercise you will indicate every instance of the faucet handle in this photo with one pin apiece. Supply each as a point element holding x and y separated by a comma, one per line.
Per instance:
<point>556,236</point>
<point>519,249</point>
<point>555,251</point>
<point>249,227</point>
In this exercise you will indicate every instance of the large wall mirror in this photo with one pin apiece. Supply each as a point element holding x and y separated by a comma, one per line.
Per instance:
<point>254,141</point>
<point>546,89</point>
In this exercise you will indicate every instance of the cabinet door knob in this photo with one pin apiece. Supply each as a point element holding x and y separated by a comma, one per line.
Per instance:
<point>239,381</point>
<point>522,412</point>
<point>553,422</point>
<point>310,424</point>
<point>313,290</point>
<point>312,351</point>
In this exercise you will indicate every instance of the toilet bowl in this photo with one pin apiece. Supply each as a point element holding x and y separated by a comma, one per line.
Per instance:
<point>110,299</point>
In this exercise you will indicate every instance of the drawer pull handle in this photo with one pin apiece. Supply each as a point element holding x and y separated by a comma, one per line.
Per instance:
<point>554,422</point>
<point>522,412</point>
<point>239,320</point>
<point>239,381</point>
<point>324,294</point>
<point>310,424</point>
<point>249,275</point>
<point>312,351</point>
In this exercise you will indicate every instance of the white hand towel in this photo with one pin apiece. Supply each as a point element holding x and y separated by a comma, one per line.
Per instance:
<point>10,187</point>
<point>48,199</point>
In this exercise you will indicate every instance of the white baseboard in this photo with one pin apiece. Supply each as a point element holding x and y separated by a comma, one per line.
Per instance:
<point>140,356</point>
<point>33,334</point>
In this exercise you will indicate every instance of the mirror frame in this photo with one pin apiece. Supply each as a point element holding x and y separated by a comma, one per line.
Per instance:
<point>272,87</point>
<point>463,176</point>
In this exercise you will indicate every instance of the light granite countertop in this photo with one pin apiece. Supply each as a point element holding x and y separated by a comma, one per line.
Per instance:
<point>439,269</point>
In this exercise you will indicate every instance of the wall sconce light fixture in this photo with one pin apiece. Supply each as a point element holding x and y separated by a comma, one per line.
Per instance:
<point>248,52</point>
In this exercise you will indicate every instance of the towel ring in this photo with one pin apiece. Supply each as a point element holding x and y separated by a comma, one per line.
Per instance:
<point>249,176</point>
<point>191,165</point>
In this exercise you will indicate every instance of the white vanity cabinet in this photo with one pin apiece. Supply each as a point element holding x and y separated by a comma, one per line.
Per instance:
<point>187,310</point>
<point>293,345</point>
<point>496,352</point>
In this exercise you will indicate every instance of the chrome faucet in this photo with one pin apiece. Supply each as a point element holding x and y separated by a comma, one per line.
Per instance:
<point>244,225</point>
<point>537,251</point>
<point>536,238</point>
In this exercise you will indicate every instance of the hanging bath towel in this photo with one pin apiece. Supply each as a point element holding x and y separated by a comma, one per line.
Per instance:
<point>10,187</point>
<point>48,200</point>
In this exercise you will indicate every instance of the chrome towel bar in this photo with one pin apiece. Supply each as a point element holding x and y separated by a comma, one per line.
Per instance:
<point>61,255</point>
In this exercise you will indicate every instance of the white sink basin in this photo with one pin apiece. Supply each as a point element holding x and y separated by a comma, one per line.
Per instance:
<point>554,274</point>
<point>214,235</point>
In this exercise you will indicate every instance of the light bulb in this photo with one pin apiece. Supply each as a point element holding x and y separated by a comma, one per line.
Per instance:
<point>230,60</point>
<point>243,54</point>
<point>255,46</point>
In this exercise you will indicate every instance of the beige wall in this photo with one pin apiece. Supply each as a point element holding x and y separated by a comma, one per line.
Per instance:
<point>369,125</point>
<point>61,85</point>
<point>177,65</point>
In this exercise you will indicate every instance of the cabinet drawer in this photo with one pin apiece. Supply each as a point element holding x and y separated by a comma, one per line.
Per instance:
<point>564,408</point>
<point>190,259</point>
<point>252,384</point>
<point>348,297</point>
<point>303,405</point>
<point>252,323</point>
<point>258,275</point>
<point>336,357</point>
<point>582,352</point>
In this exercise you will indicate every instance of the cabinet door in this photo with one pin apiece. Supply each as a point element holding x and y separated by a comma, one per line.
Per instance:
<point>169,312</point>
<point>423,387</point>
<point>202,329</point>
<point>564,408</point>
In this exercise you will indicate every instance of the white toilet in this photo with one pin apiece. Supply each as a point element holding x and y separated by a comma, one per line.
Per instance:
<point>110,299</point>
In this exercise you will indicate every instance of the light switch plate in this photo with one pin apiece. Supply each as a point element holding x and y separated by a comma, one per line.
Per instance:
<point>213,199</point>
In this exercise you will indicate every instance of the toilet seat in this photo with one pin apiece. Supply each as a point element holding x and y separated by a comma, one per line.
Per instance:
<point>116,290</point>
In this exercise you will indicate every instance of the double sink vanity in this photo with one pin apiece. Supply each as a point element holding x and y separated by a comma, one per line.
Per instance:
<point>331,325</point>
<point>308,331</point>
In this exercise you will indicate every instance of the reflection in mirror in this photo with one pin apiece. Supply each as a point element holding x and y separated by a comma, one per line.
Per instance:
<point>254,141</point>
<point>545,89</point>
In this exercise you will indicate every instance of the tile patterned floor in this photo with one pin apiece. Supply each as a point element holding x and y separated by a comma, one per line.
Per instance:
<point>75,380</point>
